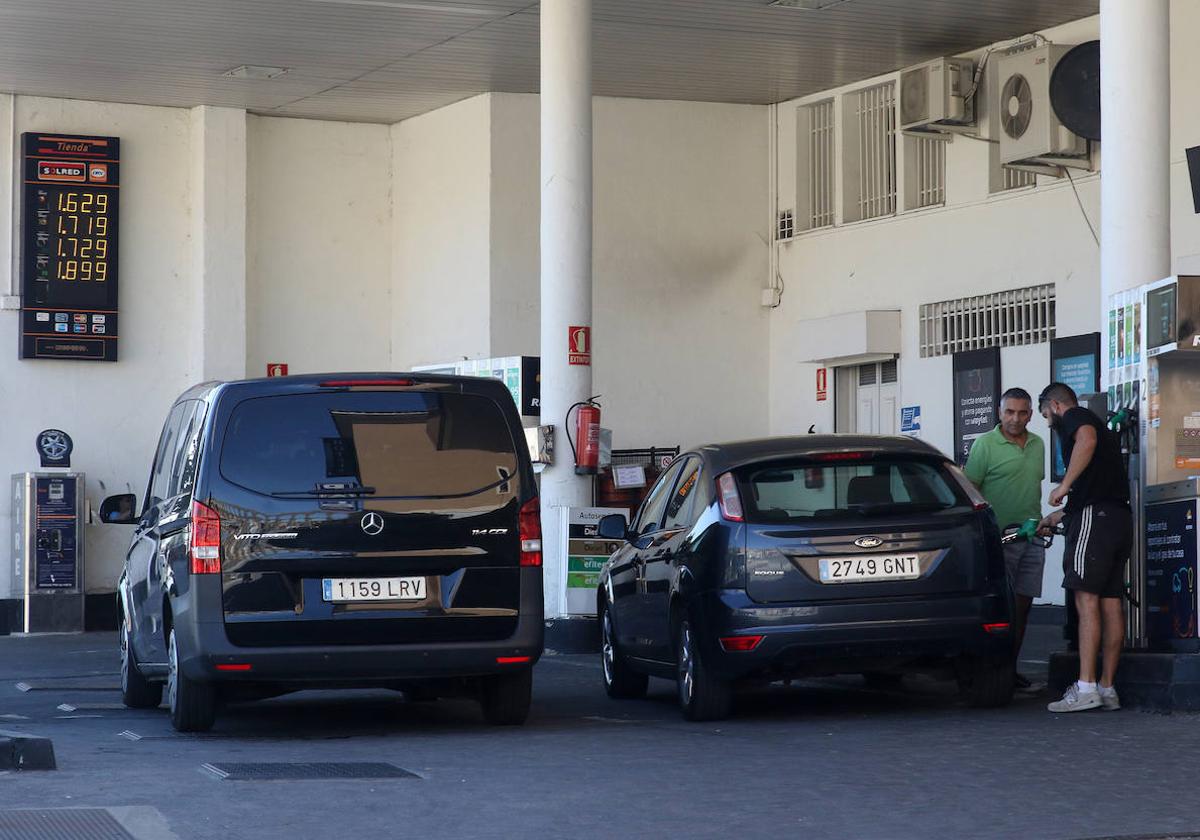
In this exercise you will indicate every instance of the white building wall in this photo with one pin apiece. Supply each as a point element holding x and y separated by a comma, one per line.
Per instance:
<point>680,253</point>
<point>441,212</point>
<point>319,235</point>
<point>113,411</point>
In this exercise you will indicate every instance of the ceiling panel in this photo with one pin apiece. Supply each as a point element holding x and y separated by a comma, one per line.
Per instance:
<point>386,60</point>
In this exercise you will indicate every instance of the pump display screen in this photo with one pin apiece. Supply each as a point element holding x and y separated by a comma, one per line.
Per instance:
<point>69,228</point>
<point>1160,316</point>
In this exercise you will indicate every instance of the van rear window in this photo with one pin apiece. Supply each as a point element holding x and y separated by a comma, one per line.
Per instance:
<point>385,445</point>
<point>802,492</point>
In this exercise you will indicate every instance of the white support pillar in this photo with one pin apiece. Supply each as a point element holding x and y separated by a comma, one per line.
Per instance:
<point>566,258</point>
<point>218,158</point>
<point>1135,104</point>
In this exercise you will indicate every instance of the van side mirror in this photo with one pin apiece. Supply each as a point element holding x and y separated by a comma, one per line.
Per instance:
<point>613,527</point>
<point>119,510</point>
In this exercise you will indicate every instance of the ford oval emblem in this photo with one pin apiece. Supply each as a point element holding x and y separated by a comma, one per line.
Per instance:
<point>868,542</point>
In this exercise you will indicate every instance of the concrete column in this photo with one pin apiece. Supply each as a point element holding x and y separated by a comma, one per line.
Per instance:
<point>1135,189</point>
<point>218,222</point>
<point>566,257</point>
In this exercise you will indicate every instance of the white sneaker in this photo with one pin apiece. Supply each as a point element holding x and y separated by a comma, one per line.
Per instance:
<point>1075,700</point>
<point>1109,699</point>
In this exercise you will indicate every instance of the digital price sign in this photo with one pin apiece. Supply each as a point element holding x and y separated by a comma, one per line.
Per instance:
<point>70,200</point>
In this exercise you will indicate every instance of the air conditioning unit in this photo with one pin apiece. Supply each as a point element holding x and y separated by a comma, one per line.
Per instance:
<point>1026,126</point>
<point>933,95</point>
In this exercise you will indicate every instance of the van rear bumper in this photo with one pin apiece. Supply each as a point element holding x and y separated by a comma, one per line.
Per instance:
<point>205,646</point>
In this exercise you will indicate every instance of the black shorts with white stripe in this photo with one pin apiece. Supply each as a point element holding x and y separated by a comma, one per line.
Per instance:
<point>1098,542</point>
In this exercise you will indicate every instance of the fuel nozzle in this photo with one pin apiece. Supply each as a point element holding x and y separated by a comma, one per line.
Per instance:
<point>1028,529</point>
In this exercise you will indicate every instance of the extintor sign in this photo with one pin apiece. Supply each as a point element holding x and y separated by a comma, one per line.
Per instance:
<point>579,345</point>
<point>822,384</point>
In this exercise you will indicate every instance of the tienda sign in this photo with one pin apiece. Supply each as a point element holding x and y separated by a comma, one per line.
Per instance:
<point>579,345</point>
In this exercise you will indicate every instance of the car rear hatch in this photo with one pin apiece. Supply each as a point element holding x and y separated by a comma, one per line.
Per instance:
<point>859,526</point>
<point>370,515</point>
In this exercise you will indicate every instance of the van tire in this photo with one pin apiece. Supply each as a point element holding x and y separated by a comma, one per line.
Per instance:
<point>702,695</point>
<point>193,704</point>
<point>505,698</point>
<point>990,682</point>
<point>137,692</point>
<point>620,681</point>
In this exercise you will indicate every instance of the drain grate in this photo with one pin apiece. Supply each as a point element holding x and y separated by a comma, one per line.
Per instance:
<point>293,770</point>
<point>55,824</point>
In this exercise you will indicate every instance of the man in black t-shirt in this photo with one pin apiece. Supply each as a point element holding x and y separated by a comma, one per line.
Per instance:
<point>1099,539</point>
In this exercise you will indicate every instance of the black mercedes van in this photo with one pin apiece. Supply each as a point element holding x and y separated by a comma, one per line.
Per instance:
<point>333,531</point>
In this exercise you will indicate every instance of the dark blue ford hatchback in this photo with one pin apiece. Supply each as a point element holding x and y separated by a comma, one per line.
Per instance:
<point>809,556</point>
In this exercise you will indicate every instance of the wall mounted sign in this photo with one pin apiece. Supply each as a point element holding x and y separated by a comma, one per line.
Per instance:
<point>822,384</point>
<point>976,397</point>
<point>54,448</point>
<point>579,345</point>
<point>1074,361</point>
<point>69,203</point>
<point>910,420</point>
<point>277,369</point>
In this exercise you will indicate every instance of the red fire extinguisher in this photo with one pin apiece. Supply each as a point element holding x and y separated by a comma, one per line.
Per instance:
<point>586,445</point>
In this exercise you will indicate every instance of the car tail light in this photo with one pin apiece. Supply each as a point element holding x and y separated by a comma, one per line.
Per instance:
<point>997,628</point>
<point>731,502</point>
<point>206,540</point>
<point>530,523</point>
<point>234,666</point>
<point>513,660</point>
<point>740,644</point>
<point>367,383</point>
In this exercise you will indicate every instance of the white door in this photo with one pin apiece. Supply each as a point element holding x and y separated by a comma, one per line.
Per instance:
<point>872,409</point>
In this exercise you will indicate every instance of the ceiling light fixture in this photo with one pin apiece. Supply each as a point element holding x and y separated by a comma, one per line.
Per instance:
<point>448,9</point>
<point>255,71</point>
<point>807,5</point>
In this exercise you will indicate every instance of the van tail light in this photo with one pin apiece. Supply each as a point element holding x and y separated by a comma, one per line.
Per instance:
<point>999,628</point>
<point>206,540</point>
<point>367,383</point>
<point>731,502</point>
<point>530,523</point>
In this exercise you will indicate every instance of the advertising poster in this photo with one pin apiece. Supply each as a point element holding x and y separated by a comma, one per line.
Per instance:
<point>976,397</point>
<point>1074,361</point>
<point>586,554</point>
<point>1171,574</point>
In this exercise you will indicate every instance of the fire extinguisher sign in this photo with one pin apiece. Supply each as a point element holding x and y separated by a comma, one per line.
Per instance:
<point>579,345</point>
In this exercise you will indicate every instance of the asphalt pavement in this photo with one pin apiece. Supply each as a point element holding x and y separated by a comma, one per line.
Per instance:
<point>817,759</point>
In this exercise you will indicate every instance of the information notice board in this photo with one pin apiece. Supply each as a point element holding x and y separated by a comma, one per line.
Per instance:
<point>976,397</point>
<point>1170,529</point>
<point>69,212</point>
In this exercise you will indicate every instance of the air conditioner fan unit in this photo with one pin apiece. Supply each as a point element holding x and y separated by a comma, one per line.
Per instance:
<point>934,95</point>
<point>1028,129</point>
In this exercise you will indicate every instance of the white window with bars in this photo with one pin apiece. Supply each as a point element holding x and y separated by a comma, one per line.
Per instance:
<point>869,152</point>
<point>924,171</point>
<point>1001,319</point>
<point>815,156</point>
<point>1003,178</point>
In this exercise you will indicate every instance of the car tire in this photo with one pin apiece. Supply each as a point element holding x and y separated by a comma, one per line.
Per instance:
<point>702,695</point>
<point>620,681</point>
<point>990,682</point>
<point>505,698</point>
<point>137,692</point>
<point>193,704</point>
<point>883,680</point>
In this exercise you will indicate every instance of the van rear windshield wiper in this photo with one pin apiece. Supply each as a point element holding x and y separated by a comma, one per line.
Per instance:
<point>329,489</point>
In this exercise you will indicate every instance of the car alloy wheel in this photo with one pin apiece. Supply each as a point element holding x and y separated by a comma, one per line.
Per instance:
<point>172,674</point>
<point>124,658</point>
<point>606,646</point>
<point>687,665</point>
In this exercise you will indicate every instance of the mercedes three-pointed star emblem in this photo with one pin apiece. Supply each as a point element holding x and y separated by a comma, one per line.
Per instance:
<point>372,523</point>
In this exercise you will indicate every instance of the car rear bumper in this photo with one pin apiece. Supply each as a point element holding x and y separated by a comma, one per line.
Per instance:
<point>848,637</point>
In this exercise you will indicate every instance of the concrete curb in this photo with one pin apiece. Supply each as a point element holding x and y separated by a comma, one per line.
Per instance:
<point>19,751</point>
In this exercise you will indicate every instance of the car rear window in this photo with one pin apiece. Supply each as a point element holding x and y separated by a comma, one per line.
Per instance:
<point>401,445</point>
<point>808,491</point>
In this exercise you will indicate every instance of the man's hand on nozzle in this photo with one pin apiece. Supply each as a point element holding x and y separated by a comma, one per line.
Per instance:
<point>1047,526</point>
<point>1058,495</point>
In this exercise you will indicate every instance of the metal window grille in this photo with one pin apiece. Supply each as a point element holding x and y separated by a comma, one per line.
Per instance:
<point>787,225</point>
<point>928,169</point>
<point>874,114</point>
<point>820,162</point>
<point>1016,178</point>
<point>867,374</point>
<point>1001,319</point>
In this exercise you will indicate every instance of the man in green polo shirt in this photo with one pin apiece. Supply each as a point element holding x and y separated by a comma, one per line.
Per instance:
<point>1008,464</point>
